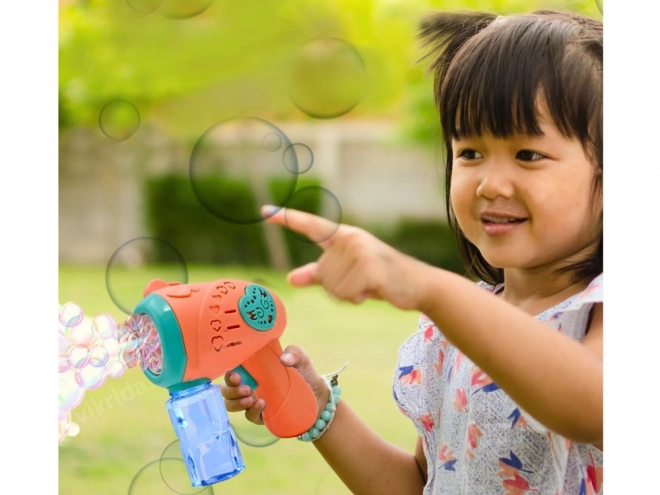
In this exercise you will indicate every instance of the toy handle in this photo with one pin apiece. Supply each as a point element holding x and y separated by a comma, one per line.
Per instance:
<point>291,406</point>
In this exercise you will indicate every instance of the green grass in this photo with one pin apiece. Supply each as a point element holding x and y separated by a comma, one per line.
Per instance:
<point>125,426</point>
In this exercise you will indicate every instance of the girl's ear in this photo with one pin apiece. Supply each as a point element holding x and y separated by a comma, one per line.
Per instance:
<point>446,32</point>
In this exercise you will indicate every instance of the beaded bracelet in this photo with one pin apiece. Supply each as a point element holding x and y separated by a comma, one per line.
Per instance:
<point>328,414</point>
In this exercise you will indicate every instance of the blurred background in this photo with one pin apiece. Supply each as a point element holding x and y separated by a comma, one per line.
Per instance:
<point>177,120</point>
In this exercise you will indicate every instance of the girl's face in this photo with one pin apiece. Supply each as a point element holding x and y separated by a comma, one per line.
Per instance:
<point>525,202</point>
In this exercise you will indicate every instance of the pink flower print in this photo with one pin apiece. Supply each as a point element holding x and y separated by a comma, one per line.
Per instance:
<point>441,359</point>
<point>410,375</point>
<point>482,381</point>
<point>427,421</point>
<point>457,364</point>
<point>446,458</point>
<point>460,403</point>
<point>594,476</point>
<point>517,486</point>
<point>473,438</point>
<point>428,333</point>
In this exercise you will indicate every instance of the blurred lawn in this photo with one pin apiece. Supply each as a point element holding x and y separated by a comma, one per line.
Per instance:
<point>125,426</point>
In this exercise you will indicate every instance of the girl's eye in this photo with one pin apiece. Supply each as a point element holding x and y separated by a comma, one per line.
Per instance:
<point>468,154</point>
<point>529,156</point>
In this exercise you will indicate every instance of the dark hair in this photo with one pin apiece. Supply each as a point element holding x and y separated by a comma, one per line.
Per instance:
<point>489,73</point>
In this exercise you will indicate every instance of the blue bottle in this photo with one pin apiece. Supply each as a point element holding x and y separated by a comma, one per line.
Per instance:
<point>208,443</point>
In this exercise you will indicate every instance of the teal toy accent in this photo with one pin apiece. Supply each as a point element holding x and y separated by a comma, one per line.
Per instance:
<point>246,378</point>
<point>257,308</point>
<point>171,341</point>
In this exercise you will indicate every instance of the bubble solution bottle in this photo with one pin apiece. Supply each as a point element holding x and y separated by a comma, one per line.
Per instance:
<point>208,443</point>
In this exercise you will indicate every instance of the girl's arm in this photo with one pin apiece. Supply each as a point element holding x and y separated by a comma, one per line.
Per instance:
<point>556,379</point>
<point>365,462</point>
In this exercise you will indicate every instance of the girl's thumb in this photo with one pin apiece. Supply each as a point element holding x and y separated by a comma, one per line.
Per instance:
<point>295,357</point>
<point>303,276</point>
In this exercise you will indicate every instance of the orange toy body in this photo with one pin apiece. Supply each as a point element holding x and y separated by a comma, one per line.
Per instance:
<point>230,323</point>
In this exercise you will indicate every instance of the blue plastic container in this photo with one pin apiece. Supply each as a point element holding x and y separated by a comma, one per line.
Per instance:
<point>208,443</point>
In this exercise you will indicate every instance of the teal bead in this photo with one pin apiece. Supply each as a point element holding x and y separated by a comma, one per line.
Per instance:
<point>320,424</point>
<point>314,432</point>
<point>326,416</point>
<point>336,390</point>
<point>306,437</point>
<point>330,407</point>
<point>336,399</point>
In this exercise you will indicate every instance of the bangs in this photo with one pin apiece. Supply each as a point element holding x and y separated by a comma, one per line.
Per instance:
<point>503,78</point>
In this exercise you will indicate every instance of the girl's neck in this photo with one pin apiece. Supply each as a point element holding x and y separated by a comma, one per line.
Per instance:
<point>536,292</point>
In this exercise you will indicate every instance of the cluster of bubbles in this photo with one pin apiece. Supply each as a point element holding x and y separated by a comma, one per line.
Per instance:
<point>93,349</point>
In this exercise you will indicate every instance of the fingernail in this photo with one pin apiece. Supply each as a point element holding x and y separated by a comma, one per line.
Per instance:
<point>287,358</point>
<point>269,210</point>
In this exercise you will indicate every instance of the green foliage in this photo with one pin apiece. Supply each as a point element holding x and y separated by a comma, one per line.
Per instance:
<point>175,214</point>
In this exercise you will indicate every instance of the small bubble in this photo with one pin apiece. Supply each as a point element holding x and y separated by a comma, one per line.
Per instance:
<point>70,314</point>
<point>105,326</point>
<point>272,141</point>
<point>73,429</point>
<point>298,158</point>
<point>62,343</point>
<point>330,210</point>
<point>119,119</point>
<point>112,346</point>
<point>90,377</point>
<point>115,368</point>
<point>78,355</point>
<point>69,392</point>
<point>63,363</point>
<point>83,333</point>
<point>98,356</point>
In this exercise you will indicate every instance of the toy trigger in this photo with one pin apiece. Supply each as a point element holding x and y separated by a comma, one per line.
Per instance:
<point>246,378</point>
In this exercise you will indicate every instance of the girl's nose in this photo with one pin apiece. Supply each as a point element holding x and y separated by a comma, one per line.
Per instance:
<point>495,181</point>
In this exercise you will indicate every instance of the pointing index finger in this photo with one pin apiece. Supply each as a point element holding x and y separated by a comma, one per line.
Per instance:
<point>318,229</point>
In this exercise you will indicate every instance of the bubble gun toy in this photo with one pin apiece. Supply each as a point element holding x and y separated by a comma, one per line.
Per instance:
<point>206,329</point>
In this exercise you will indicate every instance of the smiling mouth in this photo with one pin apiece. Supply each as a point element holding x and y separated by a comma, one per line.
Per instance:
<point>501,221</point>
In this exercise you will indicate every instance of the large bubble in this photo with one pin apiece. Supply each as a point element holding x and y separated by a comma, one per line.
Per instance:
<point>238,165</point>
<point>327,78</point>
<point>156,258</point>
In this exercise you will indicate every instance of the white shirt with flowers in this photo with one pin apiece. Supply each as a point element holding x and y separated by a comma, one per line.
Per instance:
<point>476,439</point>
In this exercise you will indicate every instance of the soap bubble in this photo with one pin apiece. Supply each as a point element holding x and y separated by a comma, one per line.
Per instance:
<point>150,479</point>
<point>112,346</point>
<point>90,377</point>
<point>331,210</point>
<point>119,119</point>
<point>63,363</point>
<point>250,434</point>
<point>150,254</point>
<point>236,151</point>
<point>98,356</point>
<point>70,314</point>
<point>62,343</point>
<point>83,333</point>
<point>69,393</point>
<point>105,326</point>
<point>599,4</point>
<point>115,368</point>
<point>174,474</point>
<point>176,9</point>
<point>327,78</point>
<point>78,355</point>
<point>298,158</point>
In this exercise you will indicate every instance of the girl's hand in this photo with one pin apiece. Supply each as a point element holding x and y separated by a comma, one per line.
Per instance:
<point>241,398</point>
<point>354,265</point>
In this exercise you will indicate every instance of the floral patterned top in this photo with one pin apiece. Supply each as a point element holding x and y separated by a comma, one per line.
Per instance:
<point>476,439</point>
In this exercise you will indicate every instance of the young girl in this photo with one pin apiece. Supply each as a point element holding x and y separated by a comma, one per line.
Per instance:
<point>504,377</point>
